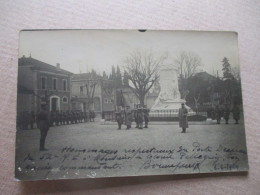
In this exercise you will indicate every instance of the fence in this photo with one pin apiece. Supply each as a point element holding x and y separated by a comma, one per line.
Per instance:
<point>172,115</point>
<point>162,115</point>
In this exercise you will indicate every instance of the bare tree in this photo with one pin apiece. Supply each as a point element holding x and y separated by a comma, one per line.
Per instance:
<point>90,85</point>
<point>236,73</point>
<point>187,64</point>
<point>141,70</point>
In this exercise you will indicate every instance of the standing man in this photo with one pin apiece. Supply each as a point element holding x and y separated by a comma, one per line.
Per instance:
<point>135,116</point>
<point>140,116</point>
<point>32,119</point>
<point>43,125</point>
<point>226,113</point>
<point>128,117</point>
<point>183,121</point>
<point>119,118</point>
<point>236,113</point>
<point>146,116</point>
<point>90,116</point>
<point>218,114</point>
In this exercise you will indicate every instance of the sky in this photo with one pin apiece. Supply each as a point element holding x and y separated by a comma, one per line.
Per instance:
<point>82,50</point>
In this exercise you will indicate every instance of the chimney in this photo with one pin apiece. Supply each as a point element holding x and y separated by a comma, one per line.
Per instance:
<point>58,65</point>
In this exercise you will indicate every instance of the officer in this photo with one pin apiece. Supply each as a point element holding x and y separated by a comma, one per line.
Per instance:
<point>183,120</point>
<point>128,117</point>
<point>236,113</point>
<point>146,116</point>
<point>43,125</point>
<point>140,117</point>
<point>226,113</point>
<point>119,118</point>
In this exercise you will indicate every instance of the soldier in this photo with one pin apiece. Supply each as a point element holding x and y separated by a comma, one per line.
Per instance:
<point>52,118</point>
<point>146,116</point>
<point>119,118</point>
<point>93,115</point>
<point>90,116</point>
<point>183,120</point>
<point>56,118</point>
<point>26,119</point>
<point>87,116</point>
<point>135,116</point>
<point>218,113</point>
<point>43,125</point>
<point>226,113</point>
<point>140,118</point>
<point>128,117</point>
<point>236,113</point>
<point>32,119</point>
<point>68,117</point>
<point>72,118</point>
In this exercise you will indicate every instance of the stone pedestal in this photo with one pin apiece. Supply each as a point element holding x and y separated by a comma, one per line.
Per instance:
<point>168,100</point>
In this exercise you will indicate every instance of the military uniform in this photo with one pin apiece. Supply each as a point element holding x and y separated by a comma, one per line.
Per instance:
<point>218,113</point>
<point>32,119</point>
<point>140,118</point>
<point>236,113</point>
<point>183,120</point>
<point>226,114</point>
<point>146,117</point>
<point>128,118</point>
<point>43,125</point>
<point>119,119</point>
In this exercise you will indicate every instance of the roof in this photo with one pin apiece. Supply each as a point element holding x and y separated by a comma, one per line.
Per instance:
<point>39,65</point>
<point>83,76</point>
<point>205,76</point>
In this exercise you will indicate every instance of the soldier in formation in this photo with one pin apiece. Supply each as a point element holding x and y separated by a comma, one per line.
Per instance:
<point>140,117</point>
<point>119,118</point>
<point>219,112</point>
<point>128,117</point>
<point>68,117</point>
<point>226,113</point>
<point>236,113</point>
<point>146,116</point>
<point>26,120</point>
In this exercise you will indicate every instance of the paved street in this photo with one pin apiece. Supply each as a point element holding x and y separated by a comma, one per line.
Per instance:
<point>97,136</point>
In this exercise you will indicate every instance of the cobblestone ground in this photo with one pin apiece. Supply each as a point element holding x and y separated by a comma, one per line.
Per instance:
<point>94,135</point>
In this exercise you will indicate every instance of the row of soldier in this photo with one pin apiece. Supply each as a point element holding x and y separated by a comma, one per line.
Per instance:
<point>27,120</point>
<point>71,117</point>
<point>126,116</point>
<point>219,111</point>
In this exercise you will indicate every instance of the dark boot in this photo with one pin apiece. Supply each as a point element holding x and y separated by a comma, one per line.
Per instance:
<point>42,143</point>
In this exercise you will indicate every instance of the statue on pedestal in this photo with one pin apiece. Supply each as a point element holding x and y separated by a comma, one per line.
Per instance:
<point>169,96</point>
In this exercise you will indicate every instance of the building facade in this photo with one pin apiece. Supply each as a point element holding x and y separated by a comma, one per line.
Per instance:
<point>90,91</point>
<point>40,84</point>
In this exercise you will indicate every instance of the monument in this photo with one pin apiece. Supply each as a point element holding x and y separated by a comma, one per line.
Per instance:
<point>169,97</point>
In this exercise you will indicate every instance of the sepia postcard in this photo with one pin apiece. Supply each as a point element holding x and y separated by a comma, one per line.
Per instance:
<point>114,103</point>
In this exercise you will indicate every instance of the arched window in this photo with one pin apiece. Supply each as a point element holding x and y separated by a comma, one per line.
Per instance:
<point>64,99</point>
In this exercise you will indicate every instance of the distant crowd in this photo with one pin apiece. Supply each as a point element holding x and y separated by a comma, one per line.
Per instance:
<point>220,111</point>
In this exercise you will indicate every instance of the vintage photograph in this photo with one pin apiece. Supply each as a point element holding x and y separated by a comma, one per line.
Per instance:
<point>114,103</point>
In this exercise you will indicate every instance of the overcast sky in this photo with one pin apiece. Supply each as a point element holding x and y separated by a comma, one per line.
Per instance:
<point>83,50</point>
